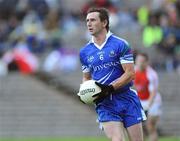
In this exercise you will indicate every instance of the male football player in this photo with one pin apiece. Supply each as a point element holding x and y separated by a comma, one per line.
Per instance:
<point>108,60</point>
<point>146,83</point>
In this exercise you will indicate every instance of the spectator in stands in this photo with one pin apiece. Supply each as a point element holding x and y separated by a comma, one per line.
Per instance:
<point>40,6</point>
<point>99,3</point>
<point>63,59</point>
<point>32,30</point>
<point>143,15</point>
<point>163,30</point>
<point>156,5</point>
<point>52,29</point>
<point>168,45</point>
<point>21,59</point>
<point>43,23</point>
<point>3,66</point>
<point>152,33</point>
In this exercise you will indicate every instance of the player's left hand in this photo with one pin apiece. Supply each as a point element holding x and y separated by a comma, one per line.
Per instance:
<point>105,91</point>
<point>146,109</point>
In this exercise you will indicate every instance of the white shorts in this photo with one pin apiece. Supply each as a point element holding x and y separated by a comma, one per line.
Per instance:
<point>156,107</point>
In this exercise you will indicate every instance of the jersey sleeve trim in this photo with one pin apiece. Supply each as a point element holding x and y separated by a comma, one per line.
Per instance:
<point>85,69</point>
<point>126,61</point>
<point>127,56</point>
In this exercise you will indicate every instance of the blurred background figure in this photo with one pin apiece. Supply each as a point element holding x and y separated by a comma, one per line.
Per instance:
<point>3,66</point>
<point>146,83</point>
<point>62,59</point>
<point>21,59</point>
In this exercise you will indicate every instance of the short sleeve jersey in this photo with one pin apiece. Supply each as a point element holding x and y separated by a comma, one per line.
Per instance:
<point>146,82</point>
<point>105,64</point>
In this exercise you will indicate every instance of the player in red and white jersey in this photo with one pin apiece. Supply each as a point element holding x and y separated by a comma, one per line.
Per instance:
<point>146,84</point>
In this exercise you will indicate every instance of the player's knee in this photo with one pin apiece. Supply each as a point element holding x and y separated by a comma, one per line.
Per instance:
<point>114,137</point>
<point>117,138</point>
<point>136,139</point>
<point>151,127</point>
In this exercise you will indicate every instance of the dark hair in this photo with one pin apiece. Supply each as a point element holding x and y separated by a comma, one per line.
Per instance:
<point>103,14</point>
<point>144,55</point>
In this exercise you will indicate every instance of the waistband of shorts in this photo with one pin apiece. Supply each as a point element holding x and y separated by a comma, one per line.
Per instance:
<point>121,90</point>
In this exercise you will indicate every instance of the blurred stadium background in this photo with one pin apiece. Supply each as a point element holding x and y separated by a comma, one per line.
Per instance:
<point>40,71</point>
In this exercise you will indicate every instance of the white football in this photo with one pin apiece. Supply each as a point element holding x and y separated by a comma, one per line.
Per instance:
<point>87,90</point>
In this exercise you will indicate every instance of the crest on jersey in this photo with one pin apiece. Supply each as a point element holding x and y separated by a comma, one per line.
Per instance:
<point>112,53</point>
<point>100,53</point>
<point>90,58</point>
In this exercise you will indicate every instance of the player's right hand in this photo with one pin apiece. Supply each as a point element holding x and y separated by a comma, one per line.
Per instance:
<point>146,107</point>
<point>80,99</point>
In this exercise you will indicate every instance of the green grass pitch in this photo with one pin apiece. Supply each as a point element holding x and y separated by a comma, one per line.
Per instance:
<point>77,139</point>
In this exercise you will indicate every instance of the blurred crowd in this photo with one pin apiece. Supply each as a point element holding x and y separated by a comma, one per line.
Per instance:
<point>41,34</point>
<point>29,29</point>
<point>161,29</point>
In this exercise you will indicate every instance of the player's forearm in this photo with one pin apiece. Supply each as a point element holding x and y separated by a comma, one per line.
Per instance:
<point>124,79</point>
<point>86,77</point>
<point>151,98</point>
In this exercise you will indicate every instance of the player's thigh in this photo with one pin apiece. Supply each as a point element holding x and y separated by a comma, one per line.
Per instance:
<point>113,128</point>
<point>135,132</point>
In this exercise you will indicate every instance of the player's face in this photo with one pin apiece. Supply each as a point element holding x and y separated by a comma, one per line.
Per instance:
<point>141,62</point>
<point>94,24</point>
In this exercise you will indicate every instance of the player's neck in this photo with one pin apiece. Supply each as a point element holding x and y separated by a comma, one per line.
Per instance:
<point>100,38</point>
<point>142,69</point>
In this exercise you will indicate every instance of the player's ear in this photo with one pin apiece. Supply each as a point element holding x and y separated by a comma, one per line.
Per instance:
<point>105,23</point>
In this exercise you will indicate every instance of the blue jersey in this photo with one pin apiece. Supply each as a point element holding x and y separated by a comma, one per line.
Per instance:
<point>105,65</point>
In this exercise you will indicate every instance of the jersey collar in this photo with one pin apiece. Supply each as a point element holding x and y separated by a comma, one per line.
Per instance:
<point>107,37</point>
